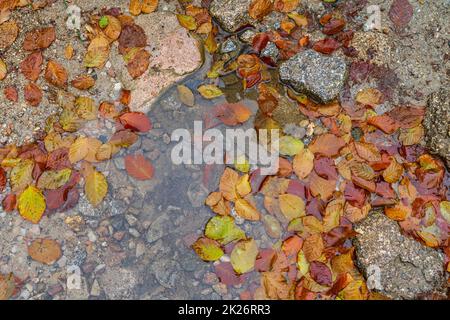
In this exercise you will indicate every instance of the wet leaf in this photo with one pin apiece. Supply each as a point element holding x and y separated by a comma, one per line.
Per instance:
<point>244,255</point>
<point>32,94</point>
<point>327,145</point>
<point>132,36</point>
<point>302,263</point>
<point>96,187</point>
<point>260,8</point>
<point>227,275</point>
<point>139,167</point>
<point>55,74</point>
<point>136,121</point>
<point>290,146</point>
<point>313,247</point>
<point>401,12</point>
<point>186,96</point>
<point>31,66</point>
<point>411,136</point>
<point>367,151</point>
<point>326,46</point>
<point>291,206</point>
<point>275,286</point>
<point>207,249</point>
<point>31,204</point>
<point>223,230</point>
<point>363,170</point>
<point>68,52</point>
<point>209,91</point>
<point>286,5</point>
<point>46,251</point>
<point>385,123</point>
<point>321,273</point>
<point>187,22</point>
<point>83,82</point>
<point>21,175</point>
<point>320,187</point>
<point>232,114</point>
<point>246,210</point>
<point>54,179</point>
<point>8,34</point>
<point>303,163</point>
<point>39,39</point>
<point>138,65</point>
<point>11,94</point>
<point>114,28</point>
<point>333,26</point>
<point>228,183</point>
<point>393,172</point>
<point>79,149</point>
<point>370,97</point>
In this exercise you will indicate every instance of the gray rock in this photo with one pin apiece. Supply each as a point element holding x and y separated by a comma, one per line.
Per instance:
<point>437,124</point>
<point>319,76</point>
<point>270,51</point>
<point>228,46</point>
<point>231,14</point>
<point>401,267</point>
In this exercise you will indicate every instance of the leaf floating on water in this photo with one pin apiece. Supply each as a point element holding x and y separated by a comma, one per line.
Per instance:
<point>223,230</point>
<point>210,91</point>
<point>186,96</point>
<point>207,249</point>
<point>46,251</point>
<point>96,187</point>
<point>31,204</point>
<point>138,167</point>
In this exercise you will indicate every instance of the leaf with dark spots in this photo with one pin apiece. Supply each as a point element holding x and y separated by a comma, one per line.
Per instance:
<point>321,273</point>
<point>58,159</point>
<point>401,12</point>
<point>227,275</point>
<point>326,46</point>
<point>139,64</point>
<point>333,26</point>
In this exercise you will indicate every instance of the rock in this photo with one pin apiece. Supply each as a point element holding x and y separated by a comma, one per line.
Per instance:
<point>174,54</point>
<point>437,124</point>
<point>270,51</point>
<point>404,267</point>
<point>231,14</point>
<point>319,76</point>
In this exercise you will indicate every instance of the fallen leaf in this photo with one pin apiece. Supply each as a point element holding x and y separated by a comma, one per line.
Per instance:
<point>8,34</point>
<point>187,22</point>
<point>138,65</point>
<point>7,286</point>
<point>55,74</point>
<point>398,212</point>
<point>139,167</point>
<point>246,210</point>
<point>320,187</point>
<point>291,206</point>
<point>370,97</point>
<point>83,82</point>
<point>321,273</point>
<point>96,187</point>
<point>54,179</point>
<point>260,8</point>
<point>232,114</point>
<point>39,39</point>
<point>21,175</point>
<point>327,145</point>
<point>244,255</point>
<point>326,46</point>
<point>393,172</point>
<point>223,229</point>
<point>401,12</point>
<point>136,121</point>
<point>335,25</point>
<point>228,183</point>
<point>411,136</point>
<point>149,6</point>
<point>290,146</point>
<point>46,251</point>
<point>32,94</point>
<point>209,91</point>
<point>207,249</point>
<point>313,247</point>
<point>384,122</point>
<point>286,5</point>
<point>11,93</point>
<point>303,163</point>
<point>31,204</point>
<point>31,66</point>
<point>135,7</point>
<point>3,69</point>
<point>186,96</point>
<point>367,151</point>
<point>97,52</point>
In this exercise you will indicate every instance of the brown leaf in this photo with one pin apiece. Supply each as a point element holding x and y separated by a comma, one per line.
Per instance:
<point>232,114</point>
<point>55,74</point>
<point>286,5</point>
<point>326,46</point>
<point>3,69</point>
<point>11,94</point>
<point>313,247</point>
<point>321,187</point>
<point>138,167</point>
<point>367,151</point>
<point>259,9</point>
<point>39,39</point>
<point>149,6</point>
<point>83,82</point>
<point>136,121</point>
<point>333,26</point>
<point>31,66</point>
<point>401,12</point>
<point>139,63</point>
<point>8,34</point>
<point>384,122</point>
<point>132,36</point>
<point>32,94</point>
<point>45,251</point>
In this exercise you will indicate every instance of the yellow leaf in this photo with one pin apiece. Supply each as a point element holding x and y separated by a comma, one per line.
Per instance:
<point>96,187</point>
<point>302,263</point>
<point>85,108</point>
<point>370,96</point>
<point>245,210</point>
<point>21,175</point>
<point>54,179</point>
<point>300,20</point>
<point>313,247</point>
<point>243,186</point>
<point>244,255</point>
<point>228,183</point>
<point>209,91</point>
<point>333,213</point>
<point>411,136</point>
<point>393,172</point>
<point>7,286</point>
<point>78,150</point>
<point>97,52</point>
<point>210,43</point>
<point>31,204</point>
<point>290,146</point>
<point>303,163</point>
<point>292,206</point>
<point>186,96</point>
<point>135,7</point>
<point>398,212</point>
<point>3,69</point>
<point>149,6</point>
<point>187,22</point>
<point>113,29</point>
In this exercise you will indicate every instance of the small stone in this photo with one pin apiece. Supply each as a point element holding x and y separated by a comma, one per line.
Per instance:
<point>134,232</point>
<point>270,51</point>
<point>228,46</point>
<point>231,14</point>
<point>220,288</point>
<point>210,278</point>
<point>319,76</point>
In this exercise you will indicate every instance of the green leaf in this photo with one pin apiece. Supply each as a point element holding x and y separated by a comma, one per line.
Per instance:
<point>103,22</point>
<point>223,230</point>
<point>290,146</point>
<point>207,249</point>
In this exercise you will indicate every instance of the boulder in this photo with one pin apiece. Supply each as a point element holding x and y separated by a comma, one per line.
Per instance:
<point>231,14</point>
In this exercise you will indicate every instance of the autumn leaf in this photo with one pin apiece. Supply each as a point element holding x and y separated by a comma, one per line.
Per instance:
<point>321,273</point>
<point>39,39</point>
<point>135,7</point>
<point>7,286</point>
<point>326,46</point>
<point>79,149</point>
<point>321,187</point>
<point>370,97</point>
<point>32,94</point>
<point>3,179</point>
<point>3,69</point>
<point>223,230</point>
<point>21,175</point>
<point>313,247</point>
<point>334,26</point>
<point>367,151</point>
<point>246,210</point>
<point>186,96</point>
<point>96,187</point>
<point>187,22</point>
<point>46,251</point>
<point>8,34</point>
<point>232,114</point>
<point>291,206</point>
<point>401,12</point>
<point>138,65</point>
<point>138,167</point>
<point>207,249</point>
<point>303,163</point>
<point>384,122</point>
<point>327,145</point>
<point>209,91</point>
<point>275,285</point>
<point>97,52</point>
<point>228,183</point>
<point>398,212</point>
<point>136,121</point>
<point>11,93</point>
<point>55,74</point>
<point>393,172</point>
<point>286,5</point>
<point>31,66</point>
<point>244,255</point>
<point>290,146</point>
<point>227,275</point>
<point>54,179</point>
<point>83,82</point>
<point>260,8</point>
<point>31,204</point>
<point>149,6</point>
<point>411,136</point>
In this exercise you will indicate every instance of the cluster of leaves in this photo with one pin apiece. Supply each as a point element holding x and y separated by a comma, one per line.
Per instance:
<point>362,161</point>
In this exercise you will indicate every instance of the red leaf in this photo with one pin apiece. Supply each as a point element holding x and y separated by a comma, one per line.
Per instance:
<point>333,26</point>
<point>401,13</point>
<point>385,190</point>
<point>384,122</point>
<point>321,273</point>
<point>226,274</point>
<point>232,114</point>
<point>9,203</point>
<point>58,159</point>
<point>265,260</point>
<point>136,121</point>
<point>31,66</point>
<point>2,179</point>
<point>39,39</point>
<point>354,195</point>
<point>325,168</point>
<point>138,167</point>
<point>33,94</point>
<point>326,46</point>
<point>11,94</point>
<point>260,41</point>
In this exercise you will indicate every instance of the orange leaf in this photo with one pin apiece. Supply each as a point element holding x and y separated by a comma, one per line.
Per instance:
<point>138,167</point>
<point>313,247</point>
<point>321,187</point>
<point>327,144</point>
<point>367,151</point>
<point>39,39</point>
<point>136,121</point>
<point>384,123</point>
<point>260,8</point>
<point>45,251</point>
<point>55,74</point>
